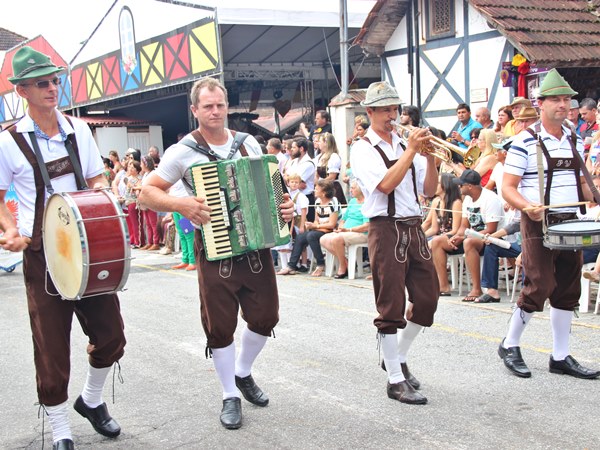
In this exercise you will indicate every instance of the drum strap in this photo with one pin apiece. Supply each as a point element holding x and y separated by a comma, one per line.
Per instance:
<point>200,145</point>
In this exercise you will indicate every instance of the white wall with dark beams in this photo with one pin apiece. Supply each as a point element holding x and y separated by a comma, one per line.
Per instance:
<point>463,68</point>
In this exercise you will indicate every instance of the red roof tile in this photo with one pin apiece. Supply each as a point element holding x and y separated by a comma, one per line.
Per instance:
<point>551,33</point>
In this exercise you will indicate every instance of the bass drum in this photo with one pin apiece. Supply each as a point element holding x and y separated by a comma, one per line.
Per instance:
<point>86,243</point>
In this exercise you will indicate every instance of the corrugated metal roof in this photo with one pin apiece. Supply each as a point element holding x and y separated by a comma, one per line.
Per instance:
<point>551,33</point>
<point>106,121</point>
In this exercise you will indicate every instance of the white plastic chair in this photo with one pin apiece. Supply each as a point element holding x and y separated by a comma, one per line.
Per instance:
<point>355,260</point>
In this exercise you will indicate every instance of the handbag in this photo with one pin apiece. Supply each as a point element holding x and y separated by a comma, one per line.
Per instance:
<point>186,225</point>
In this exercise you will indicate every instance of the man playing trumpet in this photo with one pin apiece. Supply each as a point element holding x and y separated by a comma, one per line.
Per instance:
<point>392,176</point>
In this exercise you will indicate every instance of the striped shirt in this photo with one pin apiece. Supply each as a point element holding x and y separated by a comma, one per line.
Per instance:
<point>521,160</point>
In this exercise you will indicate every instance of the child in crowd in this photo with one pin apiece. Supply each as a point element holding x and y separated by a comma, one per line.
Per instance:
<point>300,209</point>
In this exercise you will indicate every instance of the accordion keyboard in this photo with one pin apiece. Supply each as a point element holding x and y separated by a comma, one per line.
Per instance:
<point>215,231</point>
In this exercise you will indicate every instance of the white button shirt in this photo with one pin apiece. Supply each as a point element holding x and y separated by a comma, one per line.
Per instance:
<point>369,169</point>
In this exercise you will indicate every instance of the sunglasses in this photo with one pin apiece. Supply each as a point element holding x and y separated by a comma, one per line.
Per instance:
<point>44,84</point>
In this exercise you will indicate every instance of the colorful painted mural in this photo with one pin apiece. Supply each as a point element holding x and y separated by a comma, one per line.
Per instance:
<point>171,58</point>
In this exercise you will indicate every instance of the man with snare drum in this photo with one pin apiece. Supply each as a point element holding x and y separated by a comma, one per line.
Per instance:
<point>47,130</point>
<point>549,273</point>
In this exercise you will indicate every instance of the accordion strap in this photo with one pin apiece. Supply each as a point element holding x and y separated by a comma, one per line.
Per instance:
<point>200,145</point>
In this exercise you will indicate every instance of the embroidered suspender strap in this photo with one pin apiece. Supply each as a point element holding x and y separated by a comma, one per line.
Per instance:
<point>36,235</point>
<point>41,163</point>
<point>73,151</point>
<point>540,170</point>
<point>389,164</point>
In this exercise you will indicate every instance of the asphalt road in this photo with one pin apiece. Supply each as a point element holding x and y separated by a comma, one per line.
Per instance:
<point>321,373</point>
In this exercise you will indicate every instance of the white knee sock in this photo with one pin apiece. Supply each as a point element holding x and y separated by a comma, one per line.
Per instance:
<point>406,338</point>
<point>224,361</point>
<point>94,383</point>
<point>561,329</point>
<point>58,416</point>
<point>389,346</point>
<point>518,322</point>
<point>251,346</point>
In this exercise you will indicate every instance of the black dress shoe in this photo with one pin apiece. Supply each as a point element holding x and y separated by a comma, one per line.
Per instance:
<point>405,393</point>
<point>231,414</point>
<point>339,276</point>
<point>99,417</point>
<point>514,361</point>
<point>251,391</point>
<point>63,444</point>
<point>407,375</point>
<point>569,366</point>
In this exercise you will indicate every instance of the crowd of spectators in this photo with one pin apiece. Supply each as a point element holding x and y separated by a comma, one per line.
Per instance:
<point>468,197</point>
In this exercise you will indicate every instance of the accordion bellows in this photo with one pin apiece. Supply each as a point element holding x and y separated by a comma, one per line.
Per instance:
<point>244,195</point>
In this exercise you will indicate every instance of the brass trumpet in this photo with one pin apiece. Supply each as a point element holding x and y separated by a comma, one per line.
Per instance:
<point>440,148</point>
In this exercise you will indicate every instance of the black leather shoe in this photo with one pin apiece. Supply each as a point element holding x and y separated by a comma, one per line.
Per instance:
<point>416,384</point>
<point>514,361</point>
<point>405,393</point>
<point>99,417</point>
<point>569,366</point>
<point>63,444</point>
<point>251,391</point>
<point>231,414</point>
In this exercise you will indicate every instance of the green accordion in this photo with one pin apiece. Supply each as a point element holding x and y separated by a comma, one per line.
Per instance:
<point>244,195</point>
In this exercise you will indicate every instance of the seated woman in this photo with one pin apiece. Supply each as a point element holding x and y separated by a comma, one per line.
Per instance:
<point>445,212</point>
<point>351,230</point>
<point>484,165</point>
<point>327,210</point>
<point>504,117</point>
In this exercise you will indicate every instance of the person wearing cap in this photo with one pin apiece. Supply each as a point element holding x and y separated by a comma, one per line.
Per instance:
<point>495,182</point>
<point>549,273</point>
<point>482,212</point>
<point>45,129</point>
<point>516,106</point>
<point>574,117</point>
<point>391,178</point>
<point>466,124</point>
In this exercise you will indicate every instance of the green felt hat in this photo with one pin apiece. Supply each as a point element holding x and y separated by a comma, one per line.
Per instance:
<point>555,84</point>
<point>29,63</point>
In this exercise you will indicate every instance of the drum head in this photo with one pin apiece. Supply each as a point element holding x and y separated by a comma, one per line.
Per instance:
<point>63,246</point>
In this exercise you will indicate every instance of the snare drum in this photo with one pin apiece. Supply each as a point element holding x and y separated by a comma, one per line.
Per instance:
<point>86,243</point>
<point>573,235</point>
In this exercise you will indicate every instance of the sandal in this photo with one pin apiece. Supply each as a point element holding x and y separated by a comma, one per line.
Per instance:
<point>487,298</point>
<point>318,271</point>
<point>287,271</point>
<point>470,298</point>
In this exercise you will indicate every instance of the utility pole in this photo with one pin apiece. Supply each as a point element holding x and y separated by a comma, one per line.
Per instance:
<point>344,47</point>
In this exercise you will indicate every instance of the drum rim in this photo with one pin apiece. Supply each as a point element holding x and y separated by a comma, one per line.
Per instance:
<point>555,232</point>
<point>125,234</point>
<point>85,272</point>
